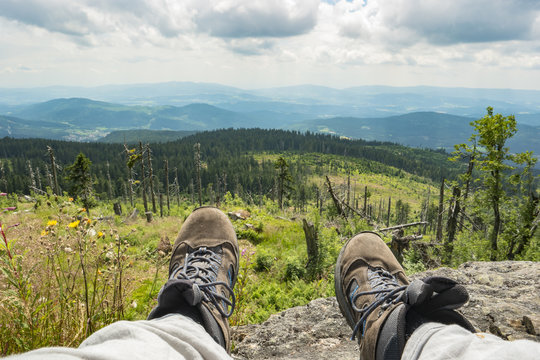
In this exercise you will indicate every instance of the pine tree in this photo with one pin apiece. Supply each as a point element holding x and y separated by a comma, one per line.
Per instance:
<point>284,179</point>
<point>80,180</point>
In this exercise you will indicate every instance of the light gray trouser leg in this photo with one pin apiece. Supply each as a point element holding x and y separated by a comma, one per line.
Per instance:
<point>170,337</point>
<point>434,341</point>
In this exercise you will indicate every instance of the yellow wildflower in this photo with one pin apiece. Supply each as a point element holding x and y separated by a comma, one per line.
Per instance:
<point>71,199</point>
<point>99,234</point>
<point>74,224</point>
<point>44,232</point>
<point>52,222</point>
<point>88,221</point>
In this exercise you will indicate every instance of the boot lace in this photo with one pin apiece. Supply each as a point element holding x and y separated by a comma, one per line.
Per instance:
<point>201,267</point>
<point>387,291</point>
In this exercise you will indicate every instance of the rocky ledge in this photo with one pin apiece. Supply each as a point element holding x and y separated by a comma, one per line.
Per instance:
<point>504,300</point>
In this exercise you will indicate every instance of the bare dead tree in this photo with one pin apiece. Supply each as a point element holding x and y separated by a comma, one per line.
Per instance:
<point>130,162</point>
<point>402,226</point>
<point>389,208</point>
<point>49,177</point>
<point>31,173</point>
<point>337,203</point>
<point>440,213</point>
<point>56,189</point>
<point>167,183</point>
<point>143,178</point>
<point>177,186</point>
<point>151,178</point>
<point>38,178</point>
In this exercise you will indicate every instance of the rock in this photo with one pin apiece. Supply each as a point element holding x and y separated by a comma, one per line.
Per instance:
<point>504,299</point>
<point>26,198</point>
<point>239,215</point>
<point>529,327</point>
<point>313,331</point>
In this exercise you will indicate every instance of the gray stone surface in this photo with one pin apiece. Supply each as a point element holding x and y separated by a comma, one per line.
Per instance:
<point>504,300</point>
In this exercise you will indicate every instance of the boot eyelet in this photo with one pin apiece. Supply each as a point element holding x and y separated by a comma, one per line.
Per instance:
<point>381,311</point>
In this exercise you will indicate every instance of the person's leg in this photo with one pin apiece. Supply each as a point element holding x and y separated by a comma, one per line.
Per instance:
<point>380,304</point>
<point>433,341</point>
<point>190,320</point>
<point>174,337</point>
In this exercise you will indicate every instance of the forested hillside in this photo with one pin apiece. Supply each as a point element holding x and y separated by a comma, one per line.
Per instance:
<point>146,136</point>
<point>225,153</point>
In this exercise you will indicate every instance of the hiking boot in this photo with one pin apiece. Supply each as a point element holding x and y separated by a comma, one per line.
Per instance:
<point>202,273</point>
<point>380,304</point>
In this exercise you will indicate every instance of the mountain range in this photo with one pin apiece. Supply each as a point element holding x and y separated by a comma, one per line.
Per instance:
<point>431,117</point>
<point>308,100</point>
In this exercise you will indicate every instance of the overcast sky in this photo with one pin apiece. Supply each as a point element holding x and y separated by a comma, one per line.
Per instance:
<point>264,43</point>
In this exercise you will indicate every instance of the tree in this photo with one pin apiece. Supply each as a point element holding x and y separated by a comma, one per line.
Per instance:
<point>526,207</point>
<point>464,151</point>
<point>495,161</point>
<point>284,179</point>
<point>80,180</point>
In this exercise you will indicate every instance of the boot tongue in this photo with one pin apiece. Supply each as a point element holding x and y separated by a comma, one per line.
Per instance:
<point>434,294</point>
<point>417,292</point>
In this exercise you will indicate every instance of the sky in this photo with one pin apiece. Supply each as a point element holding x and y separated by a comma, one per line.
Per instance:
<point>267,43</point>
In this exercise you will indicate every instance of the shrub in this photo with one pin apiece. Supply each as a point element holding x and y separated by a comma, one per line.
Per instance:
<point>263,262</point>
<point>250,235</point>
<point>294,270</point>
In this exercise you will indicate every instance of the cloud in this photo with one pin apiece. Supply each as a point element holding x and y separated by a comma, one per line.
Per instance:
<point>256,18</point>
<point>83,19</point>
<point>57,16</point>
<point>439,22</point>
<point>250,47</point>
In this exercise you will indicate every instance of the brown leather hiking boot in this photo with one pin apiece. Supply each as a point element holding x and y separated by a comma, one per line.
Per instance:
<point>380,305</point>
<point>202,273</point>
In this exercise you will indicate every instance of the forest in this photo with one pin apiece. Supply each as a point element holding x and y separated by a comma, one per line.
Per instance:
<point>228,156</point>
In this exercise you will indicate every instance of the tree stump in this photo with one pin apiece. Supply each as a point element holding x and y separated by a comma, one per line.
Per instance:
<point>117,207</point>
<point>148,216</point>
<point>312,242</point>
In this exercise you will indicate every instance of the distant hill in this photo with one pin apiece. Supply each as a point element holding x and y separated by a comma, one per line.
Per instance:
<point>420,129</point>
<point>21,128</point>
<point>86,114</point>
<point>528,119</point>
<point>91,115</point>
<point>303,100</point>
<point>87,120</point>
<point>146,136</point>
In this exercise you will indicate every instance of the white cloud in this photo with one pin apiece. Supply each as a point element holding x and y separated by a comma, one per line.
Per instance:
<point>265,42</point>
<point>255,18</point>
<point>439,22</point>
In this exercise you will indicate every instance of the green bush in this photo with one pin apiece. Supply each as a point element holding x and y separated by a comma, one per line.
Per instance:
<point>250,235</point>
<point>263,262</point>
<point>294,270</point>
